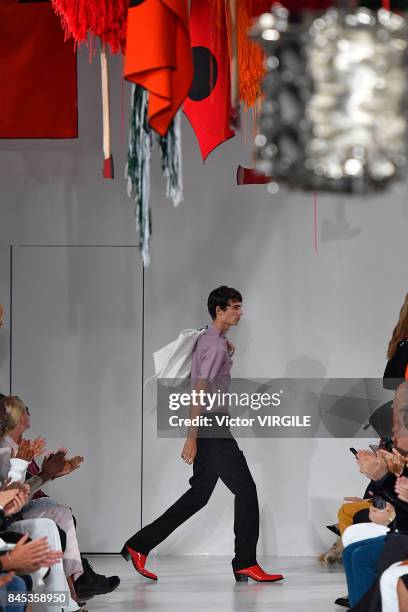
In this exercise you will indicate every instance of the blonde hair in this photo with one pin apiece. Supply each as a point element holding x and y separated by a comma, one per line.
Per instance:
<point>15,408</point>
<point>400,330</point>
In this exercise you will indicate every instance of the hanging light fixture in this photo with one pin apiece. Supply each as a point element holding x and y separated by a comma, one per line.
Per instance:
<point>334,111</point>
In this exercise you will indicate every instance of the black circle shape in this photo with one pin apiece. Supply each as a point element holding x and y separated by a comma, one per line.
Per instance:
<point>135,2</point>
<point>205,74</point>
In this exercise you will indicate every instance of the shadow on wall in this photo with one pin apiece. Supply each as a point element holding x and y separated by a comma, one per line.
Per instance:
<point>340,229</point>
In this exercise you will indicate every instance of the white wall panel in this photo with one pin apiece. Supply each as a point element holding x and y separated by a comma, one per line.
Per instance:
<point>77,364</point>
<point>5,331</point>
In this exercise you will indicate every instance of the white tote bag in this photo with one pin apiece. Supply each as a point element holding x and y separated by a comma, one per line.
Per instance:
<point>173,362</point>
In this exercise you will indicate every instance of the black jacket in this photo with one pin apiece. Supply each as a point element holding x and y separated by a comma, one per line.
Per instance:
<point>395,369</point>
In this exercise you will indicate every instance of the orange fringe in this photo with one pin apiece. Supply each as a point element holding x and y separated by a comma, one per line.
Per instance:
<point>250,56</point>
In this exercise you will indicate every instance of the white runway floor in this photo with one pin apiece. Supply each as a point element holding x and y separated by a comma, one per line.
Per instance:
<point>203,584</point>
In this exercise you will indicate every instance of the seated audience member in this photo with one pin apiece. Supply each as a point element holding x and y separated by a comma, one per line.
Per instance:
<point>393,585</point>
<point>397,366</point>
<point>367,559</point>
<point>16,457</point>
<point>9,583</point>
<point>29,557</point>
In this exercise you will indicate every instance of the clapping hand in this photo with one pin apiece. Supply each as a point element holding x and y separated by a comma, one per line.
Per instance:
<point>28,449</point>
<point>28,557</point>
<point>21,494</point>
<point>401,488</point>
<point>395,461</point>
<point>13,496</point>
<point>53,465</point>
<point>70,465</point>
<point>372,465</point>
<point>8,495</point>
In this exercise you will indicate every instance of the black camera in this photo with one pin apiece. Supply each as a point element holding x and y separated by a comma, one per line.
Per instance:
<point>379,502</point>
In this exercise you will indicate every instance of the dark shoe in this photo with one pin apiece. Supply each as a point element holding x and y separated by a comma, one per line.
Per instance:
<point>91,583</point>
<point>138,561</point>
<point>343,601</point>
<point>256,573</point>
<point>334,529</point>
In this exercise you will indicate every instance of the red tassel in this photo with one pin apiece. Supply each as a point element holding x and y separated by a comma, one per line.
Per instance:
<point>106,19</point>
<point>108,168</point>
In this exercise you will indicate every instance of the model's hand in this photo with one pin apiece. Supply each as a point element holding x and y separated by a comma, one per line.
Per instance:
<point>189,450</point>
<point>395,461</point>
<point>230,348</point>
<point>371,465</point>
<point>382,517</point>
<point>401,488</point>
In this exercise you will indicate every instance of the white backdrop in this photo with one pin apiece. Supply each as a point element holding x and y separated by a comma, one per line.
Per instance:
<point>78,321</point>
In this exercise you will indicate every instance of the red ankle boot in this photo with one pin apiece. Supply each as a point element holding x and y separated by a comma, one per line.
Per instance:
<point>138,561</point>
<point>256,573</point>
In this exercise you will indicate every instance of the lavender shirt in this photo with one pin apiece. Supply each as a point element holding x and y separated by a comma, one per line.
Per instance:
<point>212,362</point>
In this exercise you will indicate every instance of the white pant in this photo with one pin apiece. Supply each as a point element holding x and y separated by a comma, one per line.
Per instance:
<point>388,585</point>
<point>46,507</point>
<point>55,581</point>
<point>363,531</point>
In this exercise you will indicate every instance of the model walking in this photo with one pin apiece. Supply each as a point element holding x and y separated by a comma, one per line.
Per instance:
<point>212,458</point>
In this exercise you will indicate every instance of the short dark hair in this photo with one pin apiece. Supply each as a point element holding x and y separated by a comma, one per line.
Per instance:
<point>220,297</point>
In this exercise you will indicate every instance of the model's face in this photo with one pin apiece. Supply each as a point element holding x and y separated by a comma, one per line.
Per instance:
<point>232,315</point>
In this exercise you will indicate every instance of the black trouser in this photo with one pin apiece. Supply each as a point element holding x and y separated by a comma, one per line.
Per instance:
<point>216,458</point>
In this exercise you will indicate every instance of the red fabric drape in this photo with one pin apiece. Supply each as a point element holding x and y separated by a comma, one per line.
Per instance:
<point>38,79</point>
<point>158,56</point>
<point>208,105</point>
